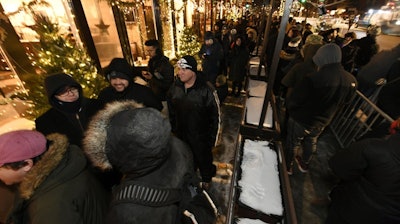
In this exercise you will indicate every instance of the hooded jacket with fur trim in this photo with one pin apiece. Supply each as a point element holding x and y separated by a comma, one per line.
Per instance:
<point>137,142</point>
<point>60,189</point>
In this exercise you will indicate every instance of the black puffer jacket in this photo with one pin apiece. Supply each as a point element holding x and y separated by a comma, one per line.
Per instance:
<point>370,187</point>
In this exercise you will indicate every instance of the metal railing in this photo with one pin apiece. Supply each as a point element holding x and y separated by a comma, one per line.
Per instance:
<point>359,117</point>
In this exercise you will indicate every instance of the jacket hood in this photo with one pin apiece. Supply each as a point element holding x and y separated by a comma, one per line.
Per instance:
<point>53,83</point>
<point>45,166</point>
<point>328,54</point>
<point>309,51</point>
<point>57,82</point>
<point>129,137</point>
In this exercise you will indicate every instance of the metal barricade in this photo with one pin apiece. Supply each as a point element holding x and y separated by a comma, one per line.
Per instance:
<point>357,118</point>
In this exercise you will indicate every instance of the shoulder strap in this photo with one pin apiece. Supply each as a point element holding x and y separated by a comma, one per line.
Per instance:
<point>144,194</point>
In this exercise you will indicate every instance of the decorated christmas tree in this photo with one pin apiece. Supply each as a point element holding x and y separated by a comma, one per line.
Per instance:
<point>189,43</point>
<point>59,52</point>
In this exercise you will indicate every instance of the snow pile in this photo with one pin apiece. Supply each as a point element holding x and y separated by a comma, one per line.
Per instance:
<point>259,183</point>
<point>249,221</point>
<point>254,104</point>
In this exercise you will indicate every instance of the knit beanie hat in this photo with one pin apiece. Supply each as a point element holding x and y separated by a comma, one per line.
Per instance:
<point>20,145</point>
<point>314,39</point>
<point>119,68</point>
<point>309,50</point>
<point>188,62</point>
<point>328,54</point>
<point>208,35</point>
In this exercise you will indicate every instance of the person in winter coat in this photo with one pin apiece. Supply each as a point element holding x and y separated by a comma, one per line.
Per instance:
<point>367,48</point>
<point>349,51</point>
<point>211,53</point>
<point>369,190</point>
<point>307,66</point>
<point>195,115</point>
<point>221,86</point>
<point>314,102</point>
<point>237,60</point>
<point>55,185</point>
<point>377,68</point>
<point>120,75</point>
<point>137,141</point>
<point>70,111</point>
<point>160,74</point>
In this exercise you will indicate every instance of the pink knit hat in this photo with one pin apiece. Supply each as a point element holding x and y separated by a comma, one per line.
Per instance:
<point>20,145</point>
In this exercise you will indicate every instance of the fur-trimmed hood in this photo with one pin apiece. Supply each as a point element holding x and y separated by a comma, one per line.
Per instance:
<point>129,137</point>
<point>94,143</point>
<point>47,164</point>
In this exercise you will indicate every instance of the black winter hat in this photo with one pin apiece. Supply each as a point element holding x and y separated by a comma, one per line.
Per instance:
<point>119,68</point>
<point>188,62</point>
<point>58,81</point>
<point>209,35</point>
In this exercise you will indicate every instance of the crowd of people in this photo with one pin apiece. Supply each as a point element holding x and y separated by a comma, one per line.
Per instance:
<point>318,73</point>
<point>151,137</point>
<point>86,154</point>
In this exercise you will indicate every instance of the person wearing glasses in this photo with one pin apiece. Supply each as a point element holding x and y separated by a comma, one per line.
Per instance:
<point>69,115</point>
<point>70,111</point>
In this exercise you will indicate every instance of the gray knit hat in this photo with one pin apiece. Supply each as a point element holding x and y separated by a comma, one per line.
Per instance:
<point>328,54</point>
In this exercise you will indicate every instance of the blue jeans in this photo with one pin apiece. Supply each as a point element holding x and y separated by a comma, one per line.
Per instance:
<point>298,135</point>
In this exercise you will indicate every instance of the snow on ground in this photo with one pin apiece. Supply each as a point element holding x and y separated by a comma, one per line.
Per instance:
<point>259,183</point>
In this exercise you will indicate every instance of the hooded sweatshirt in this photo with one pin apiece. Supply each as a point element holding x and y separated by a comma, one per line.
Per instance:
<point>318,96</point>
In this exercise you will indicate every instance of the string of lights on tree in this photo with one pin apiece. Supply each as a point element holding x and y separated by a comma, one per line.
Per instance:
<point>57,52</point>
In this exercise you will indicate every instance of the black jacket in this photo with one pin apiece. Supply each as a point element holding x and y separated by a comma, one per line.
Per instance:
<point>367,47</point>
<point>212,61</point>
<point>69,119</point>
<point>370,187</point>
<point>194,113</point>
<point>237,59</point>
<point>136,92</point>
<point>315,100</point>
<point>163,76</point>
<point>143,161</point>
<point>72,125</point>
